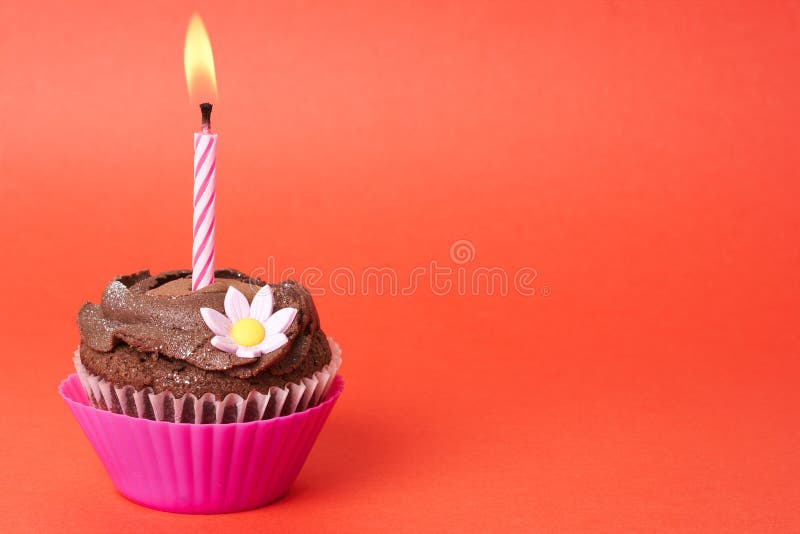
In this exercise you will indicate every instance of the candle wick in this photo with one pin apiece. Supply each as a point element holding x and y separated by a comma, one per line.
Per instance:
<point>205,113</point>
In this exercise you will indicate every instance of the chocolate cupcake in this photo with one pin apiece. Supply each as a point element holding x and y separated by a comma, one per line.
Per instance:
<point>237,350</point>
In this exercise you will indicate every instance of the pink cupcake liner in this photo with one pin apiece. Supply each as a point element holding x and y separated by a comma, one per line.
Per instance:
<point>199,468</point>
<point>145,403</point>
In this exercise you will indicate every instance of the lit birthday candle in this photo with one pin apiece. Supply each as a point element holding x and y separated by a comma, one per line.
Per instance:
<point>205,192</point>
<point>198,61</point>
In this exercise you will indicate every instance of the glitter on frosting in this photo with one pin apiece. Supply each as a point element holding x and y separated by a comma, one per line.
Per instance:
<point>160,314</point>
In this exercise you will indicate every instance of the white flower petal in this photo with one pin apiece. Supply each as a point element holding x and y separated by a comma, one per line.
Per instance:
<point>280,320</point>
<point>218,323</point>
<point>272,342</point>
<point>236,305</point>
<point>224,343</point>
<point>261,308</point>
<point>248,352</point>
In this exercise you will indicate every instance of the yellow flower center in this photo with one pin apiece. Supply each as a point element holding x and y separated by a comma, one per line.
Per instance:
<point>247,332</point>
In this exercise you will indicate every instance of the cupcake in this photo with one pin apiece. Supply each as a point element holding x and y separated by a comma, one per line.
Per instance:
<point>237,350</point>
<point>202,401</point>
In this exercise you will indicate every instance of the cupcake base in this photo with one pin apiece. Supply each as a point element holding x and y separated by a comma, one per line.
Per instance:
<point>200,468</point>
<point>145,403</point>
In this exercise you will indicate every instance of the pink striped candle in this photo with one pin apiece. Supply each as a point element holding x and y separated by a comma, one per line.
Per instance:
<point>205,192</point>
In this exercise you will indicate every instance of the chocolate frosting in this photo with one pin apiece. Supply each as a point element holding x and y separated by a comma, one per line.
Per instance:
<point>161,315</point>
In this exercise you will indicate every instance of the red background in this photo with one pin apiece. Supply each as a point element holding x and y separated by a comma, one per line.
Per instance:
<point>641,156</point>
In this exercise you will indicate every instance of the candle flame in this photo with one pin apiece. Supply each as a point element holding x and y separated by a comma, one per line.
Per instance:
<point>198,62</point>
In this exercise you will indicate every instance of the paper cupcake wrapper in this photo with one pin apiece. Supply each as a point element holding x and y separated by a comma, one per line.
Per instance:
<point>199,468</point>
<point>164,406</point>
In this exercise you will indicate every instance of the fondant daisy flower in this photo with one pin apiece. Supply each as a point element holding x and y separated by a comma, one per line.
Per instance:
<point>249,330</point>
